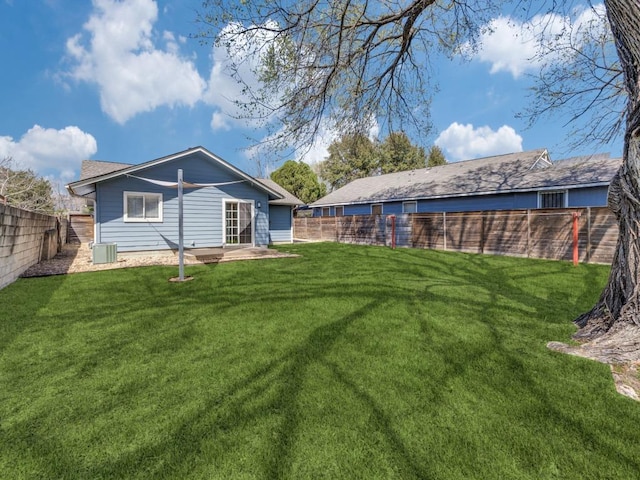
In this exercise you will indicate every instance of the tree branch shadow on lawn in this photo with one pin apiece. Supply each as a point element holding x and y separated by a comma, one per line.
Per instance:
<point>291,370</point>
<point>589,433</point>
<point>27,296</point>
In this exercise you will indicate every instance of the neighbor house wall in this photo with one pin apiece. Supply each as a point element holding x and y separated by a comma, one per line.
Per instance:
<point>202,207</point>
<point>26,238</point>
<point>588,197</point>
<point>507,201</point>
<point>578,197</point>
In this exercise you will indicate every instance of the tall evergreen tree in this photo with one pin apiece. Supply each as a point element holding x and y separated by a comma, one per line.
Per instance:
<point>351,157</point>
<point>397,154</point>
<point>436,157</point>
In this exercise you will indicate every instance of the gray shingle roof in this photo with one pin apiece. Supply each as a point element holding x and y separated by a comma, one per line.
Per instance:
<point>522,171</point>
<point>95,168</point>
<point>288,198</point>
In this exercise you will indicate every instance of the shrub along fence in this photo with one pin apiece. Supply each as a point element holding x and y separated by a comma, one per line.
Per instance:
<point>27,238</point>
<point>550,234</point>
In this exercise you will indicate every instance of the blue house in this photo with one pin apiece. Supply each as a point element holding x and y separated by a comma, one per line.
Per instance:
<point>523,180</point>
<point>136,206</point>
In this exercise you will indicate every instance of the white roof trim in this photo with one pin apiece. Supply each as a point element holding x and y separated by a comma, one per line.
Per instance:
<point>134,168</point>
<point>544,158</point>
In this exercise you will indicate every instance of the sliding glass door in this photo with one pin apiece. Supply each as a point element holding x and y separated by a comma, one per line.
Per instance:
<point>238,223</point>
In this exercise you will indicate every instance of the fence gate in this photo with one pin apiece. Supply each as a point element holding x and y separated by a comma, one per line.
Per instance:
<point>80,228</point>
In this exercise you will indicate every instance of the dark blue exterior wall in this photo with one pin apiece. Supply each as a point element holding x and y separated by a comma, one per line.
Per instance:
<point>581,197</point>
<point>588,197</point>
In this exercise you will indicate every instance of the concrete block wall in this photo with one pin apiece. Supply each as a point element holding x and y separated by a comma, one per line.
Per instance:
<point>25,239</point>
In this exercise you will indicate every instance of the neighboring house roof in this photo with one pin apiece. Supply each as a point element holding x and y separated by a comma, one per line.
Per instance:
<point>514,172</point>
<point>288,198</point>
<point>97,172</point>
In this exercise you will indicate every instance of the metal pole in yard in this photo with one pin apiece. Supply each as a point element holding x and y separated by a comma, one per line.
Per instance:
<point>180,230</point>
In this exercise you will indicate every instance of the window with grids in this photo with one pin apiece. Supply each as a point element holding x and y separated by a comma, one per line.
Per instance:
<point>339,211</point>
<point>326,211</point>
<point>376,209</point>
<point>142,207</point>
<point>238,223</point>
<point>554,199</point>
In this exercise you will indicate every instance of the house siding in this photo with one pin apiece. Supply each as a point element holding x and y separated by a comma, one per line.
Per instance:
<point>588,197</point>
<point>579,197</point>
<point>280,227</point>
<point>508,201</point>
<point>202,207</point>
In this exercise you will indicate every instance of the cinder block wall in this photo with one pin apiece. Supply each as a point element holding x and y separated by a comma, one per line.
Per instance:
<point>25,239</point>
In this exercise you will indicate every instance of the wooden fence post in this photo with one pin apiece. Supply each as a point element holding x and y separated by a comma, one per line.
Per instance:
<point>444,229</point>
<point>528,233</point>
<point>482,233</point>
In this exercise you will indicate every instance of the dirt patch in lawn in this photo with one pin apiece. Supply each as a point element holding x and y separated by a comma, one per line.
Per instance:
<point>624,369</point>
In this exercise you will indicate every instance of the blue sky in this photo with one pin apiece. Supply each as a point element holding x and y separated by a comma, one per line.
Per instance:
<point>124,82</point>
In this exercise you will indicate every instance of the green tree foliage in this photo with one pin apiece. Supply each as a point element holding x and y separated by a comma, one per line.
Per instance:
<point>436,157</point>
<point>298,179</point>
<point>351,157</point>
<point>25,189</point>
<point>356,156</point>
<point>397,154</point>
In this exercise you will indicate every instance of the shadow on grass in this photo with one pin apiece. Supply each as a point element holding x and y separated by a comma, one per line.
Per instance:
<point>270,393</point>
<point>21,302</point>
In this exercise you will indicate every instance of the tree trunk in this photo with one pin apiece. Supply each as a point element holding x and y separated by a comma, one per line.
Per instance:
<point>613,325</point>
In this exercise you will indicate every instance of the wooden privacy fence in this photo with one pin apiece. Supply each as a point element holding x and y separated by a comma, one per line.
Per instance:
<point>549,234</point>
<point>80,228</point>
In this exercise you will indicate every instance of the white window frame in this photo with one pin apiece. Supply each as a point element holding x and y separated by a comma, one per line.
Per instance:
<point>565,193</point>
<point>339,211</point>
<point>412,202</point>
<point>225,201</point>
<point>327,210</point>
<point>377,205</point>
<point>144,219</point>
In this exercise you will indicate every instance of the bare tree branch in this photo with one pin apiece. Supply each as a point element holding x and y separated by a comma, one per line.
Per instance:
<point>580,80</point>
<point>344,63</point>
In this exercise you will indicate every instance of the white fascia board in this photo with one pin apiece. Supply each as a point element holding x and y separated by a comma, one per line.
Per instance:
<point>169,158</point>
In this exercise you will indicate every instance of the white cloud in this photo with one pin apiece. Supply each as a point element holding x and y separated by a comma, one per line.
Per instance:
<point>49,150</point>
<point>219,121</point>
<point>464,142</point>
<point>319,151</point>
<point>223,90</point>
<point>132,74</point>
<point>513,46</point>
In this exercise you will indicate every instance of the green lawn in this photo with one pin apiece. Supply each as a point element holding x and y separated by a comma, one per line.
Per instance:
<point>347,362</point>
